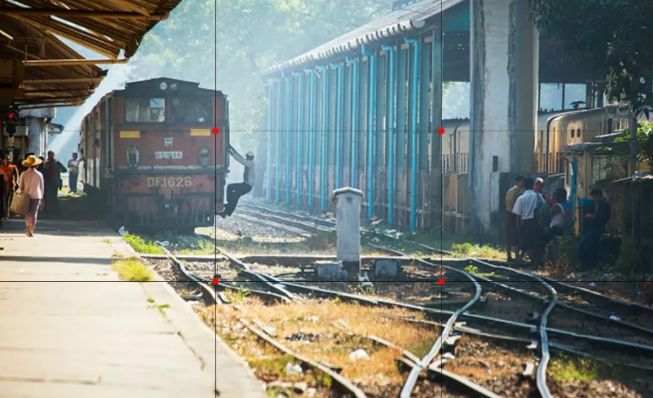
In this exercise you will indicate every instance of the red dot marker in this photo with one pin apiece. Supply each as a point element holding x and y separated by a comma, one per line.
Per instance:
<point>215,281</point>
<point>215,131</point>
<point>441,282</point>
<point>441,131</point>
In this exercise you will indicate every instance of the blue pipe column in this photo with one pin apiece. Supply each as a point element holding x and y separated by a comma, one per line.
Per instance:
<point>390,50</point>
<point>413,134</point>
<point>277,141</point>
<point>311,137</point>
<point>354,121</point>
<point>289,151</point>
<point>325,126</point>
<point>268,160</point>
<point>339,110</point>
<point>299,151</point>
<point>371,136</point>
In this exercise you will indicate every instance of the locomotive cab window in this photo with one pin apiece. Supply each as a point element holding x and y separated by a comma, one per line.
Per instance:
<point>191,109</point>
<point>145,110</point>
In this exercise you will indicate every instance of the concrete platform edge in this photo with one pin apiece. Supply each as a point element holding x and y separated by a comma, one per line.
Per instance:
<point>203,342</point>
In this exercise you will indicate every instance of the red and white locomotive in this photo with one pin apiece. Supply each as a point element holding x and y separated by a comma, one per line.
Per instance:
<point>151,156</point>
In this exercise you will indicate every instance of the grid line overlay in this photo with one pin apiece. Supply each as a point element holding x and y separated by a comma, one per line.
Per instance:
<point>300,281</point>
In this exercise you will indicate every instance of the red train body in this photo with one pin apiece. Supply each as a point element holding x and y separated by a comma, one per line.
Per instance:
<point>150,158</point>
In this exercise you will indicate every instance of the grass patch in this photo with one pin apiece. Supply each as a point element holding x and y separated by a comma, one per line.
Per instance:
<point>107,241</point>
<point>235,296</point>
<point>566,369</point>
<point>467,249</point>
<point>142,246</point>
<point>133,270</point>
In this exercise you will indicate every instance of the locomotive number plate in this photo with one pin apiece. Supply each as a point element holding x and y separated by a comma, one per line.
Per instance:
<point>168,155</point>
<point>169,182</point>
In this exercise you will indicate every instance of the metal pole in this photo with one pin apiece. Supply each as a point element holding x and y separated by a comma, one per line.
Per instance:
<point>289,151</point>
<point>339,121</point>
<point>311,137</point>
<point>371,116</point>
<point>354,122</point>
<point>268,159</point>
<point>300,140</point>
<point>391,138</point>
<point>325,126</point>
<point>413,134</point>
<point>277,140</point>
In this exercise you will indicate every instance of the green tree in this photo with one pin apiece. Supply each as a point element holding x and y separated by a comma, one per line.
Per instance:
<point>612,36</point>
<point>249,36</point>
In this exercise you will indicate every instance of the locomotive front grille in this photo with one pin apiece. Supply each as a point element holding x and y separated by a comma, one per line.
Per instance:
<point>155,210</point>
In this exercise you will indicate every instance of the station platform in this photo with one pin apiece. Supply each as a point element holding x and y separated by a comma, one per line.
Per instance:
<point>69,327</point>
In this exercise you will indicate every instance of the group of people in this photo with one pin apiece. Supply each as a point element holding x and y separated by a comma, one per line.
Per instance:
<point>40,179</point>
<point>533,219</point>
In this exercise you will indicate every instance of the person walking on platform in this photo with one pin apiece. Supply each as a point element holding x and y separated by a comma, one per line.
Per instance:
<point>596,221</point>
<point>10,174</point>
<point>73,172</point>
<point>31,183</point>
<point>52,170</point>
<point>235,191</point>
<point>529,230</point>
<point>510,218</point>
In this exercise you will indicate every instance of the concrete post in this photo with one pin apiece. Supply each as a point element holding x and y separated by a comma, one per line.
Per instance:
<point>348,210</point>
<point>504,76</point>
<point>37,137</point>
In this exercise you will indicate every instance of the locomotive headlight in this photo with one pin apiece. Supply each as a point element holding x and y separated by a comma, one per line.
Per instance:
<point>133,157</point>
<point>204,156</point>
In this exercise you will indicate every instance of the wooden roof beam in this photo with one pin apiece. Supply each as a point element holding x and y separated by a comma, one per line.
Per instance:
<point>72,62</point>
<point>78,36</point>
<point>63,13</point>
<point>62,81</point>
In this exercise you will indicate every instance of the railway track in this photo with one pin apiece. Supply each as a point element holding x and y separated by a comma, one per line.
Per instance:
<point>628,336</point>
<point>297,291</point>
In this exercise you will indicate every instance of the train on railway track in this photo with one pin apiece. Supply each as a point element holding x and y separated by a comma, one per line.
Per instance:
<point>154,155</point>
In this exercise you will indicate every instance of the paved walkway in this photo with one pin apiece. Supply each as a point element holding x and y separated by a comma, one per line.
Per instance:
<point>70,328</point>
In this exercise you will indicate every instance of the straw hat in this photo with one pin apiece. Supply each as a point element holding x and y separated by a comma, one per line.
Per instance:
<point>32,161</point>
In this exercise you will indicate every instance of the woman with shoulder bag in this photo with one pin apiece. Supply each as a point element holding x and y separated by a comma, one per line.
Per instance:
<point>31,183</point>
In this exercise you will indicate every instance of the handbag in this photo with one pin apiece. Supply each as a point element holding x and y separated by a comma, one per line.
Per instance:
<point>19,203</point>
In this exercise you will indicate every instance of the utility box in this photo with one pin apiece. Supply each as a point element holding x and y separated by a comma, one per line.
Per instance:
<point>348,224</point>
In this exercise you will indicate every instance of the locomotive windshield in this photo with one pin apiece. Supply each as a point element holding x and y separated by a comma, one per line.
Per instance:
<point>145,109</point>
<point>191,109</point>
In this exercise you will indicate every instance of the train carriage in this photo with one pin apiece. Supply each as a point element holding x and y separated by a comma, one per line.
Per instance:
<point>150,158</point>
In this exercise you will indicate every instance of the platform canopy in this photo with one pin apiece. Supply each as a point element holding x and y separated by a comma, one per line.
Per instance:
<point>39,68</point>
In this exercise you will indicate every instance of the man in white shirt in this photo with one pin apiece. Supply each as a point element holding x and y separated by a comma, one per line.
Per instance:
<point>73,172</point>
<point>531,235</point>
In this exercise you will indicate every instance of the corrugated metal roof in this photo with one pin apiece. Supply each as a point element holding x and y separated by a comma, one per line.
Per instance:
<point>395,23</point>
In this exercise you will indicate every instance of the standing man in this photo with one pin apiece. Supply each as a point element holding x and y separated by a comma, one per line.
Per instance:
<point>235,191</point>
<point>73,172</point>
<point>52,170</point>
<point>596,221</point>
<point>529,230</point>
<point>510,218</point>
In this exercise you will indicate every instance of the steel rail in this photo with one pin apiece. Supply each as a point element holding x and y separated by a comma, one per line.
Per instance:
<point>194,278</point>
<point>244,268</point>
<point>345,384</point>
<point>469,386</point>
<point>514,339</point>
<point>618,343</point>
<point>549,282</point>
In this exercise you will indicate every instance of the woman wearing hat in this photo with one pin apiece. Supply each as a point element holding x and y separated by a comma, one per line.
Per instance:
<point>31,183</point>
